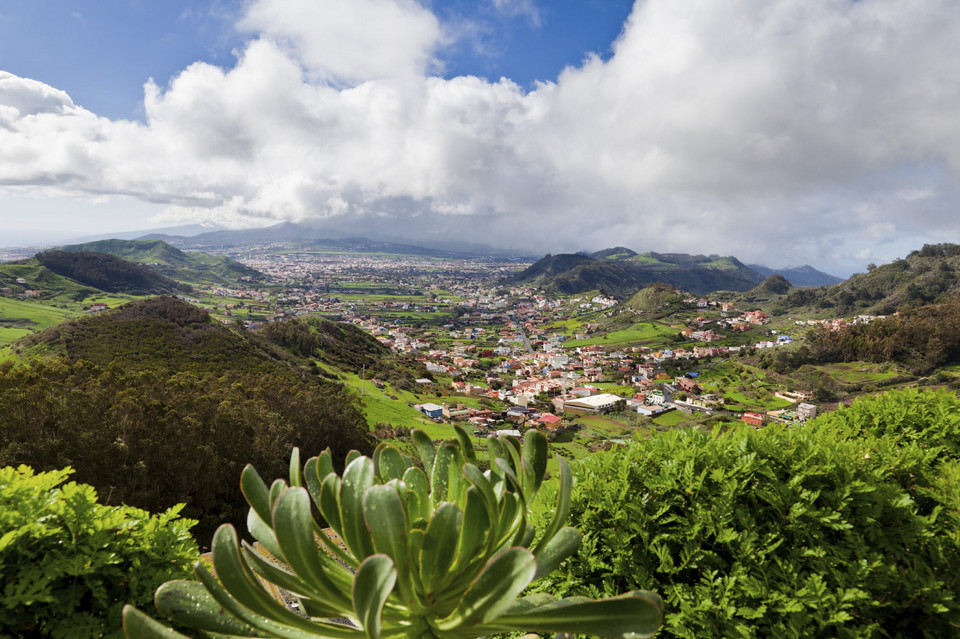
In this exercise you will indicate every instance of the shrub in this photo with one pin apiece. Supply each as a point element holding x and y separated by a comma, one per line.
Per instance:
<point>785,532</point>
<point>69,563</point>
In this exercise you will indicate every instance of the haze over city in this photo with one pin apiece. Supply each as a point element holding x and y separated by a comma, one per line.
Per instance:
<point>783,132</point>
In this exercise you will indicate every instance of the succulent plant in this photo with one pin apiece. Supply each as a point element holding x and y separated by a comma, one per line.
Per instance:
<point>439,551</point>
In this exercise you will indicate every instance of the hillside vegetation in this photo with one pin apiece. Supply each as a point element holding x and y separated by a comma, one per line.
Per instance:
<point>155,403</point>
<point>193,267</point>
<point>928,275</point>
<point>109,273</point>
<point>621,272</point>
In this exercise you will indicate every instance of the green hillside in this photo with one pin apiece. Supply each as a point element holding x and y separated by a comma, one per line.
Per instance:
<point>621,272</point>
<point>928,275</point>
<point>156,403</point>
<point>109,273</point>
<point>193,267</point>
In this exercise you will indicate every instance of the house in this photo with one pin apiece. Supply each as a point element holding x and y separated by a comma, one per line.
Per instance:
<point>754,419</point>
<point>433,411</point>
<point>806,411</point>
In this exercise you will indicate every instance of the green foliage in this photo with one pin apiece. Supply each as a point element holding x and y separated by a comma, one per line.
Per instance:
<point>69,563</point>
<point>162,405</point>
<point>442,551</point>
<point>170,261</point>
<point>921,338</point>
<point>783,532</point>
<point>108,273</point>
<point>152,438</point>
<point>158,332</point>
<point>928,418</point>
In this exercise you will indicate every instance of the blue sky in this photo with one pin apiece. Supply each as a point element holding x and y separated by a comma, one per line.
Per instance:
<point>102,51</point>
<point>782,132</point>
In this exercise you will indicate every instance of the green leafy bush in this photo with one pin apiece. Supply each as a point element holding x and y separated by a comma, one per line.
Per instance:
<point>69,564</point>
<point>785,532</point>
<point>442,551</point>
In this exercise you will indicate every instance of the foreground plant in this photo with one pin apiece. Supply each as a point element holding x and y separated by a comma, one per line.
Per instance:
<point>443,551</point>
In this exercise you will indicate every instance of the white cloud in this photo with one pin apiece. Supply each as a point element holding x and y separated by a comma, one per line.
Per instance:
<point>788,131</point>
<point>350,41</point>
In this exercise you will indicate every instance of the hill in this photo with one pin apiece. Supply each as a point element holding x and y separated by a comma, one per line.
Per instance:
<point>799,276</point>
<point>929,275</point>
<point>22,275</point>
<point>621,272</point>
<point>156,403</point>
<point>193,267</point>
<point>109,273</point>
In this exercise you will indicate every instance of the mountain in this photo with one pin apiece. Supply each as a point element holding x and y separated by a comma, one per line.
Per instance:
<point>184,231</point>
<point>621,272</point>
<point>193,267</point>
<point>325,238</point>
<point>799,276</point>
<point>109,273</point>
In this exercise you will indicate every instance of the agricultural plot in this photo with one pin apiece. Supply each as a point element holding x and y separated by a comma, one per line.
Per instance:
<point>643,334</point>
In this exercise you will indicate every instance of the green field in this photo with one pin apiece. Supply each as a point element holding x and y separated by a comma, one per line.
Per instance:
<point>645,333</point>
<point>19,318</point>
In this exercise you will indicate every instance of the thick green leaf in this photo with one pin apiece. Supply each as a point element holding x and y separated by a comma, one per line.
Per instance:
<point>189,604</point>
<point>440,473</point>
<point>390,464</point>
<point>276,489</point>
<point>357,478</point>
<point>535,452</point>
<point>312,479</point>
<point>425,449</point>
<point>292,627</point>
<point>352,455</point>
<point>562,511</point>
<point>494,590</point>
<point>629,616</point>
<point>263,532</point>
<point>439,547</point>
<point>292,525</point>
<point>457,483</point>
<point>243,590</point>
<point>137,625</point>
<point>330,502</point>
<point>466,446</point>
<point>255,491</point>
<point>375,579</point>
<point>280,577</point>
<point>387,522</point>
<point>474,529</point>
<point>563,544</point>
<point>295,477</point>
<point>417,496</point>
<point>482,483</point>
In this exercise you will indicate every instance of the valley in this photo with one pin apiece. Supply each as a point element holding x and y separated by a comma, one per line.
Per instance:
<point>479,347</point>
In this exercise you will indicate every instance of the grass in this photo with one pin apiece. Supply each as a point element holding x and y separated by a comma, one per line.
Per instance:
<point>671,418</point>
<point>645,333</point>
<point>19,318</point>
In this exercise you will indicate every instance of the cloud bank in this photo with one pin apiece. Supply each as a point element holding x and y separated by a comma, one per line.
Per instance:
<point>784,131</point>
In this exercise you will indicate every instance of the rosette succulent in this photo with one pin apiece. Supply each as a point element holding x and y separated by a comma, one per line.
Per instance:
<point>439,551</point>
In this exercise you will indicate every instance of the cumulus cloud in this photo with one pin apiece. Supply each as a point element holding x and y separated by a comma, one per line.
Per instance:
<point>788,130</point>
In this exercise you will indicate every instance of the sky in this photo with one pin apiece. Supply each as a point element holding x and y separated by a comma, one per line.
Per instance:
<point>784,132</point>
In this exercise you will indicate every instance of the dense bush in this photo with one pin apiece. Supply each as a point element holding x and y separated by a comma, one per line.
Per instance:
<point>921,338</point>
<point>784,532</point>
<point>69,563</point>
<point>151,438</point>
